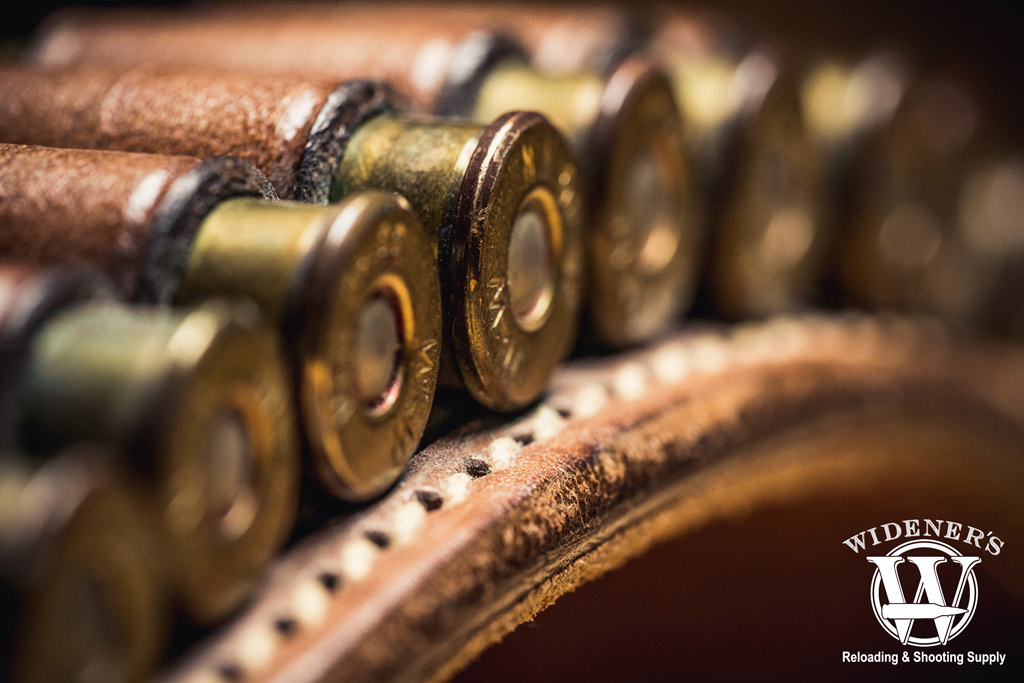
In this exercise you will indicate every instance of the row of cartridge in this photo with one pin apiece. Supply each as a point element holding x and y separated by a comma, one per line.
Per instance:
<point>244,246</point>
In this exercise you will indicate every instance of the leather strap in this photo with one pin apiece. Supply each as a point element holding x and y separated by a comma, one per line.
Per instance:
<point>494,523</point>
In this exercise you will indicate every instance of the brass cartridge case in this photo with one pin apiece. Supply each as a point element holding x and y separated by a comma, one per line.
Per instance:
<point>919,238</point>
<point>27,299</point>
<point>645,238</point>
<point>624,128</point>
<point>502,372</point>
<point>315,270</point>
<point>83,594</point>
<point>354,288</point>
<point>759,167</point>
<point>501,205</point>
<point>292,130</point>
<point>199,402</point>
<point>131,216</point>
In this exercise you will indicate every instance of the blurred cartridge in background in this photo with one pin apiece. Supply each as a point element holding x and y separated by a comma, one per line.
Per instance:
<point>622,122</point>
<point>762,173</point>
<point>905,247</point>
<point>82,596</point>
<point>197,400</point>
<point>352,286</point>
<point>500,203</point>
<point>926,200</point>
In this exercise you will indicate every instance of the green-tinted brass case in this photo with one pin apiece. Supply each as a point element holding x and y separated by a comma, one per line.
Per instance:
<point>315,269</point>
<point>470,184</point>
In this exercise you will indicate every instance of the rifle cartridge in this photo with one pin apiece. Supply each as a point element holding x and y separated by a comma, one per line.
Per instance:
<point>198,401</point>
<point>442,167</point>
<point>624,128</point>
<point>334,278</point>
<point>80,582</point>
<point>761,172</point>
<point>908,244</point>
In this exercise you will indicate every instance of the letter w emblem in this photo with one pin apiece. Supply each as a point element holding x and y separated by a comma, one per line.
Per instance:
<point>934,606</point>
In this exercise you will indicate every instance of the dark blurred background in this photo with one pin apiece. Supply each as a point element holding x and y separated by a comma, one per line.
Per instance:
<point>979,40</point>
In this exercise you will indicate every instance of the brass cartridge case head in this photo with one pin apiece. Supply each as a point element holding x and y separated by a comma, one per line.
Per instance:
<point>758,164</point>
<point>354,288</point>
<point>772,249</point>
<point>200,399</point>
<point>908,246</point>
<point>78,558</point>
<point>627,134</point>
<point>501,204</point>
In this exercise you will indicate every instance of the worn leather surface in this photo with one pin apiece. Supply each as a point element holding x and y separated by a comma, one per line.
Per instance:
<point>494,523</point>
<point>130,216</point>
<point>50,216</point>
<point>264,120</point>
<point>326,41</point>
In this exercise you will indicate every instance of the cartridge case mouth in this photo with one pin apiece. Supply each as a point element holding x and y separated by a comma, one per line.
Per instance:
<point>201,401</point>
<point>370,352</point>
<point>771,248</point>
<point>513,320</point>
<point>644,253</point>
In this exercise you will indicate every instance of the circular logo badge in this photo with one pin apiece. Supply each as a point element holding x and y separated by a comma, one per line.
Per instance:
<point>924,592</point>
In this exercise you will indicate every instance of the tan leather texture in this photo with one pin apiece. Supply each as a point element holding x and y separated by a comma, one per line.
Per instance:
<point>49,216</point>
<point>494,523</point>
<point>263,120</point>
<point>335,42</point>
<point>130,216</point>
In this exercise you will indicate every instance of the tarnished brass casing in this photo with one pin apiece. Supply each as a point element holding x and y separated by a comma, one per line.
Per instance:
<point>645,239</point>
<point>28,297</point>
<point>200,400</point>
<point>501,205</point>
<point>624,129</point>
<point>906,246</point>
<point>760,169</point>
<point>83,592</point>
<point>365,384</point>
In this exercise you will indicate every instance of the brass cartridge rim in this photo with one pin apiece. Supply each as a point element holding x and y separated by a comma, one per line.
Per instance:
<point>644,253</point>
<point>771,248</point>
<point>504,365</point>
<point>373,251</point>
<point>229,395</point>
<point>89,562</point>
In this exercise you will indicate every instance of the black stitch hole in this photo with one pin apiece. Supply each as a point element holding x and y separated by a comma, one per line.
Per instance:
<point>378,538</point>
<point>524,439</point>
<point>286,626</point>
<point>477,468</point>
<point>229,672</point>
<point>330,581</point>
<point>430,500</point>
<point>565,413</point>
